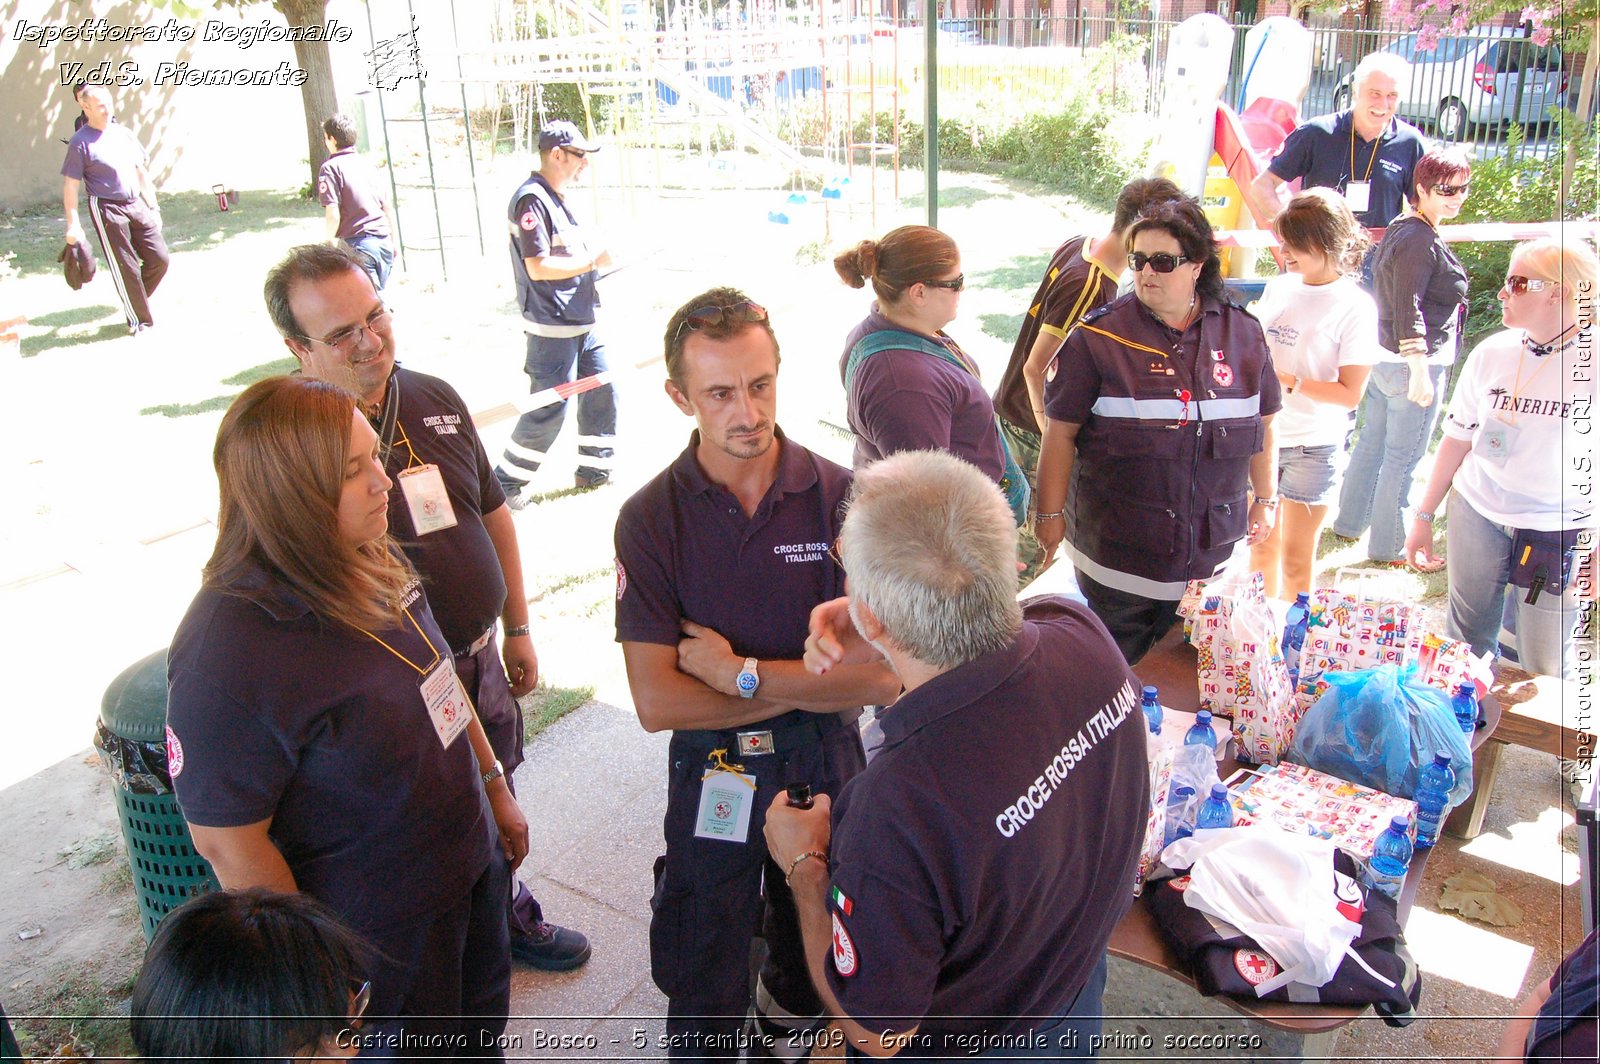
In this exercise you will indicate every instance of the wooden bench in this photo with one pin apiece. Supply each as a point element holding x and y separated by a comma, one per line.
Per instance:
<point>1538,712</point>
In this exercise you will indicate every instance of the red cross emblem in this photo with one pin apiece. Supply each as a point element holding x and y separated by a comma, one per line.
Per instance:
<point>1256,967</point>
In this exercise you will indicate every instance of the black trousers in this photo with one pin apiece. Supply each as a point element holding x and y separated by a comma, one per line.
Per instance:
<point>130,236</point>
<point>1136,623</point>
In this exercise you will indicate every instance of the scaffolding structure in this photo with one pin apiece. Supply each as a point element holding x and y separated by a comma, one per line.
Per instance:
<point>814,91</point>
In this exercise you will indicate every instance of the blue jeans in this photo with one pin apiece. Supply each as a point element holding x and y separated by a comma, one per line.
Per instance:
<point>1480,594</point>
<point>377,258</point>
<point>553,360</point>
<point>1394,437</point>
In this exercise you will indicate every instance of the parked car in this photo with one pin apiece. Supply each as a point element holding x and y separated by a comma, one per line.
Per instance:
<point>1493,75</point>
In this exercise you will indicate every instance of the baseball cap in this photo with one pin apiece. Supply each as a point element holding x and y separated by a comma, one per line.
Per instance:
<point>563,134</point>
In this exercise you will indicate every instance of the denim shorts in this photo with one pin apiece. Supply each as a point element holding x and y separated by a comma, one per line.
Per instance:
<point>1311,474</point>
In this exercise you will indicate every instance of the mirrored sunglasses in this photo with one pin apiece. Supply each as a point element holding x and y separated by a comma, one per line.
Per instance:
<point>1452,190</point>
<point>1160,262</point>
<point>705,317</point>
<point>1517,284</point>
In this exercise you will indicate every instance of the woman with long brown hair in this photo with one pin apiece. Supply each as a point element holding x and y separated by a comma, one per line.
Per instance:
<point>908,385</point>
<point>318,738</point>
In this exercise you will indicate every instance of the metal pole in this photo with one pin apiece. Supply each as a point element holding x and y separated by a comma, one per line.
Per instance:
<point>466,121</point>
<point>388,156</point>
<point>930,128</point>
<point>427,143</point>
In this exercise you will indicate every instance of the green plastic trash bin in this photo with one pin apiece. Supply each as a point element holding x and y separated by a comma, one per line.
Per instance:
<point>132,742</point>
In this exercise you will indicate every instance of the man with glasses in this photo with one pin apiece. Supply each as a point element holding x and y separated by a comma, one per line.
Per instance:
<point>446,511</point>
<point>720,560</point>
<point>555,270</point>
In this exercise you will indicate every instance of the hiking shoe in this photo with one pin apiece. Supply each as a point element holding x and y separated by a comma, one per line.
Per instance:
<point>551,948</point>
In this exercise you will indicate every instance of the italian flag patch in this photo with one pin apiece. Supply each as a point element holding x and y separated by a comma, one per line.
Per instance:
<point>839,900</point>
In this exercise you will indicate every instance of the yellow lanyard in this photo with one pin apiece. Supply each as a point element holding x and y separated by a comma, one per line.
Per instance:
<point>420,670</point>
<point>1370,158</point>
<point>413,461</point>
<point>1123,340</point>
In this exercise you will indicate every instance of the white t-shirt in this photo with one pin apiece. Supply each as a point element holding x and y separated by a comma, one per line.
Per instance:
<point>1528,418</point>
<point>1312,331</point>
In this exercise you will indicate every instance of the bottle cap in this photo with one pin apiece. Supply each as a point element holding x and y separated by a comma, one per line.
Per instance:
<point>1441,758</point>
<point>1401,824</point>
<point>1149,692</point>
<point>1219,792</point>
<point>1467,687</point>
<point>1203,717</point>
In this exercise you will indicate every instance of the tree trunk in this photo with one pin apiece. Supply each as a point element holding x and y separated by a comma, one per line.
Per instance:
<point>317,95</point>
<point>1591,68</point>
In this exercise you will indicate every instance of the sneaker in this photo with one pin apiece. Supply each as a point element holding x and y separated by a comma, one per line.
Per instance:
<point>592,479</point>
<point>551,948</point>
<point>519,501</point>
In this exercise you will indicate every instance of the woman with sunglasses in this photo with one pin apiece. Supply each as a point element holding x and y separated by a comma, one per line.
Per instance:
<point>908,385</point>
<point>1323,332</point>
<point>1421,290</point>
<point>251,975</point>
<point>1516,465</point>
<point>1158,455</point>
<point>318,737</point>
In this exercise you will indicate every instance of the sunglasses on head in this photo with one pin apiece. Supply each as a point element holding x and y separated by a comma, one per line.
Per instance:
<point>955,284</point>
<point>1160,262</point>
<point>1517,284</point>
<point>1452,190</point>
<point>704,317</point>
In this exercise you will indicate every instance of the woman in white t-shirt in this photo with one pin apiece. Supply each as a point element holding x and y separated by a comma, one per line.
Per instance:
<point>1519,452</point>
<point>1323,332</point>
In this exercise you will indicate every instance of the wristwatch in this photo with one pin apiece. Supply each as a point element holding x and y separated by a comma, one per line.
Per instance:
<point>748,679</point>
<point>1424,516</point>
<point>494,773</point>
<point>1269,500</point>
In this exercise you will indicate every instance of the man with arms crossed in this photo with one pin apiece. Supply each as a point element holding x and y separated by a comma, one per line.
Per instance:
<point>961,900</point>
<point>446,511</point>
<point>720,560</point>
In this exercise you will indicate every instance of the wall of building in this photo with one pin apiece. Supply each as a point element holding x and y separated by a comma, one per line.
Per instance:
<point>242,135</point>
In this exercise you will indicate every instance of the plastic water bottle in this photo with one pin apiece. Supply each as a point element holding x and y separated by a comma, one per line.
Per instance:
<point>1465,703</point>
<point>1201,733</point>
<point>1176,828</point>
<point>1433,799</point>
<point>1151,704</point>
<point>1215,812</point>
<point>1391,856</point>
<point>1294,635</point>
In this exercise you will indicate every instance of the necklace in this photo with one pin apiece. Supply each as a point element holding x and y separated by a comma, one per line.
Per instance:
<point>1555,342</point>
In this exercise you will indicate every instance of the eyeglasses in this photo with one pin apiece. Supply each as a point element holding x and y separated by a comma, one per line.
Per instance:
<point>359,1002</point>
<point>1452,190</point>
<point>955,284</point>
<point>345,340</point>
<point>1160,262</point>
<point>1517,284</point>
<point>704,317</point>
<point>575,151</point>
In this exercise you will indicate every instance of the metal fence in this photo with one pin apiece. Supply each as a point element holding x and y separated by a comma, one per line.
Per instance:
<point>1469,89</point>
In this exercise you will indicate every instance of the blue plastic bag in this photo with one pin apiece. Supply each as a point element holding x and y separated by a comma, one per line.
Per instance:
<point>1378,727</point>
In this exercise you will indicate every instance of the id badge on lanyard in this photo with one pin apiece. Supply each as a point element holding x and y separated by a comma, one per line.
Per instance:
<point>448,705</point>
<point>1358,196</point>
<point>427,499</point>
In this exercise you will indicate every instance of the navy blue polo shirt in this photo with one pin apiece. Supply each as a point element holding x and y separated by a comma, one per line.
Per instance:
<point>348,181</point>
<point>273,713</point>
<point>1320,151</point>
<point>981,861</point>
<point>686,551</point>
<point>542,225</point>
<point>459,566</point>
<point>107,161</point>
